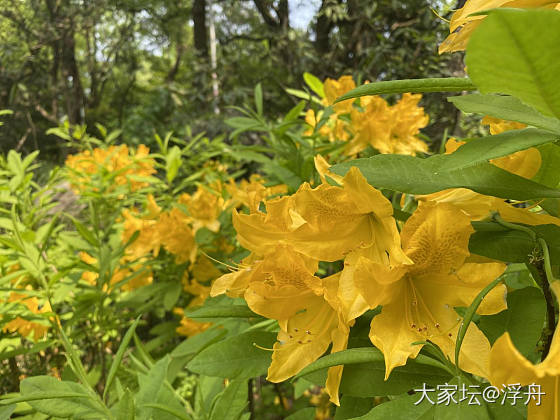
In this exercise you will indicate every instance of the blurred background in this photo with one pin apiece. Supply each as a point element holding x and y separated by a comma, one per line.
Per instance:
<point>154,66</point>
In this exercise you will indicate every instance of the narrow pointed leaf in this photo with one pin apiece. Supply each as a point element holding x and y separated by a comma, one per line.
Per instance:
<point>443,84</point>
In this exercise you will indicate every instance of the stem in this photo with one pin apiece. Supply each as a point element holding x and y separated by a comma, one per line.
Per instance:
<point>545,271</point>
<point>538,272</point>
<point>496,217</point>
<point>251,400</point>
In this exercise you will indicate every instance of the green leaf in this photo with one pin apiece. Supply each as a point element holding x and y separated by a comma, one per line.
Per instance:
<point>119,356</point>
<point>505,107</point>
<point>172,295</point>
<point>173,162</point>
<point>231,402</point>
<point>57,398</point>
<point>351,407</point>
<point>469,313</point>
<point>236,357</point>
<point>461,410</point>
<point>491,147</point>
<point>548,173</point>
<point>414,175</point>
<point>364,372</point>
<point>168,410</point>
<point>509,246</point>
<point>443,84</point>
<point>259,99</point>
<point>151,386</point>
<point>198,342</point>
<point>307,413</point>
<point>401,408</point>
<point>84,232</point>
<point>314,84</point>
<point>6,412</point>
<point>294,113</point>
<point>516,52</point>
<point>508,411</point>
<point>124,409</point>
<point>523,319</point>
<point>222,311</point>
<point>304,95</point>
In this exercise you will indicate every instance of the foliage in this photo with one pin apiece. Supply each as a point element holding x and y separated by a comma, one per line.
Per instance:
<point>333,262</point>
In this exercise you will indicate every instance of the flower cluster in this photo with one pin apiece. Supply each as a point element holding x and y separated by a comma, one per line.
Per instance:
<point>525,163</point>
<point>24,326</point>
<point>117,162</point>
<point>386,128</point>
<point>463,22</point>
<point>419,283</point>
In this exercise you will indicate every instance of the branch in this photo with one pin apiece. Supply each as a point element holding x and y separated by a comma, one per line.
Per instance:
<point>262,7</point>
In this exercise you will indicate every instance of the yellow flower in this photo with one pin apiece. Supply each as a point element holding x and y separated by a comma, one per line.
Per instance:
<point>199,291</point>
<point>462,25</point>
<point>498,125</point>
<point>251,193</point>
<point>203,270</point>
<point>336,88</point>
<point>190,327</point>
<point>148,240</point>
<point>120,273</point>
<point>389,129</point>
<point>322,167</point>
<point>419,299</point>
<point>320,399</point>
<point>204,207</point>
<point>23,326</point>
<point>508,366</point>
<point>176,235</point>
<point>325,223</point>
<point>281,285</point>
<point>117,159</point>
<point>525,163</point>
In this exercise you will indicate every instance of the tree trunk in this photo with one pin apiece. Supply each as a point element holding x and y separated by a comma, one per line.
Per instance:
<point>74,92</point>
<point>199,21</point>
<point>323,29</point>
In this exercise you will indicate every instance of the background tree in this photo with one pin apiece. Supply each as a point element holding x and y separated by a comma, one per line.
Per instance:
<point>142,66</point>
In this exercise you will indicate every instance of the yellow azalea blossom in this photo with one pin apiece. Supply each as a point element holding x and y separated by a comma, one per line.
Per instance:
<point>190,327</point>
<point>325,223</point>
<point>251,193</point>
<point>508,366</point>
<point>351,303</point>
<point>176,235</point>
<point>204,207</point>
<point>389,129</point>
<point>322,167</point>
<point>203,270</point>
<point>136,278</point>
<point>148,240</point>
<point>525,163</point>
<point>498,125</point>
<point>312,120</point>
<point>117,159</point>
<point>169,229</point>
<point>320,399</point>
<point>334,129</point>
<point>336,88</point>
<point>462,24</point>
<point>281,285</point>
<point>23,326</point>
<point>199,291</point>
<point>419,299</point>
